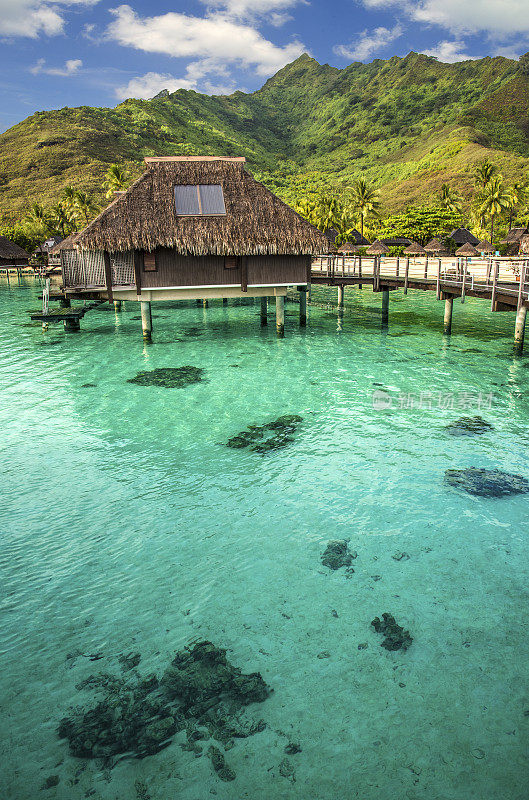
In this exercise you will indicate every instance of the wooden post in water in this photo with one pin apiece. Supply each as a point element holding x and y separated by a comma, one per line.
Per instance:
<point>406,272</point>
<point>280,315</point>
<point>224,301</point>
<point>264,311</point>
<point>494,285</point>
<point>117,305</point>
<point>146,320</point>
<point>519,330</point>
<point>385,306</point>
<point>426,268</point>
<point>359,269</point>
<point>205,303</point>
<point>438,286</point>
<point>341,294</point>
<point>303,307</point>
<point>72,324</point>
<point>464,263</point>
<point>449,306</point>
<point>45,300</point>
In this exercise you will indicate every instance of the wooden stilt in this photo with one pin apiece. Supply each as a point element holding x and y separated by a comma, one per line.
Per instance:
<point>224,301</point>
<point>519,330</point>
<point>303,308</point>
<point>146,320</point>
<point>385,306</point>
<point>406,273</point>
<point>205,303</point>
<point>264,311</point>
<point>447,324</point>
<point>341,295</point>
<point>72,324</point>
<point>117,305</point>
<point>280,315</point>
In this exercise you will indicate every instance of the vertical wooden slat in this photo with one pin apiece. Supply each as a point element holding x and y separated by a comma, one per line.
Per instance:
<point>438,288</point>
<point>398,265</point>
<point>520,289</point>
<point>464,263</point>
<point>406,272</point>
<point>108,276</point>
<point>244,273</point>
<point>426,268</point>
<point>138,258</point>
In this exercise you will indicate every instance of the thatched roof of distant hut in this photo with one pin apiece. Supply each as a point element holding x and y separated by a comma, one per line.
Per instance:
<point>467,250</point>
<point>10,250</point>
<point>485,247</point>
<point>515,235</point>
<point>359,239</point>
<point>256,222</point>
<point>397,241</point>
<point>331,234</point>
<point>378,248</point>
<point>347,247</point>
<point>435,246</point>
<point>63,244</point>
<point>415,249</point>
<point>463,236</point>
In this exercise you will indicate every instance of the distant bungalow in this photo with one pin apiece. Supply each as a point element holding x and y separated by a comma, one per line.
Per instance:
<point>193,227</point>
<point>11,255</point>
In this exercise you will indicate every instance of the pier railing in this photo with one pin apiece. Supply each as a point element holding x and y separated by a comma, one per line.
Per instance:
<point>488,277</point>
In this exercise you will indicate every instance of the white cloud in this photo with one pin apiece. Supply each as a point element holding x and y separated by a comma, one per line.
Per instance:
<point>450,52</point>
<point>273,10</point>
<point>498,18</point>
<point>30,18</point>
<point>216,37</point>
<point>368,43</point>
<point>71,67</point>
<point>149,85</point>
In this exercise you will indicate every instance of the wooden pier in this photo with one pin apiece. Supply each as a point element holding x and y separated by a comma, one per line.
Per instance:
<point>504,282</point>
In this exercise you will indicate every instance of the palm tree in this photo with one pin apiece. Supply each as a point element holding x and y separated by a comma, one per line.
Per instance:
<point>364,201</point>
<point>519,193</point>
<point>450,200</point>
<point>329,212</point>
<point>86,204</point>
<point>60,220</point>
<point>308,209</point>
<point>38,215</point>
<point>116,180</point>
<point>484,173</point>
<point>496,198</point>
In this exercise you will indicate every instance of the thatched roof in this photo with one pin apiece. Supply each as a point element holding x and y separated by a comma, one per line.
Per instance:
<point>9,249</point>
<point>397,241</point>
<point>463,236</point>
<point>347,247</point>
<point>515,235</point>
<point>485,247</point>
<point>435,246</point>
<point>331,234</point>
<point>467,250</point>
<point>415,249</point>
<point>358,238</point>
<point>378,248</point>
<point>63,244</point>
<point>256,221</point>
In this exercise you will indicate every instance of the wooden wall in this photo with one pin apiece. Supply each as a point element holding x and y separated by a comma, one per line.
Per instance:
<point>176,270</point>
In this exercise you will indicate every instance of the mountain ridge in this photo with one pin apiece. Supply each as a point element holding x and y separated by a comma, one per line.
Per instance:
<point>408,124</point>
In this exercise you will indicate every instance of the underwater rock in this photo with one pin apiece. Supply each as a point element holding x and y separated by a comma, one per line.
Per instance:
<point>139,717</point>
<point>88,385</point>
<point>218,762</point>
<point>129,661</point>
<point>169,377</point>
<point>272,436</point>
<point>396,638</point>
<point>292,748</point>
<point>400,556</point>
<point>337,554</point>
<point>286,769</point>
<point>469,426</point>
<point>50,782</point>
<point>486,482</point>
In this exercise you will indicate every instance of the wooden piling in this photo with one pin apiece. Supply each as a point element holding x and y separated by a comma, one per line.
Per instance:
<point>280,315</point>
<point>72,324</point>
<point>519,330</point>
<point>385,306</point>
<point>117,305</point>
<point>146,320</point>
<point>264,311</point>
<point>447,323</point>
<point>341,294</point>
<point>303,308</point>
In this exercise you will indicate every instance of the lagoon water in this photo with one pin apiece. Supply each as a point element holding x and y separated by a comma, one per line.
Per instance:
<point>129,526</point>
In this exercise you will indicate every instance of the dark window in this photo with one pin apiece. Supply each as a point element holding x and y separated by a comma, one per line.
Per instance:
<point>231,262</point>
<point>203,200</point>
<point>149,262</point>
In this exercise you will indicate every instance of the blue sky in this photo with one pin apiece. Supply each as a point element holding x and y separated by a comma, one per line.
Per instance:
<point>57,53</point>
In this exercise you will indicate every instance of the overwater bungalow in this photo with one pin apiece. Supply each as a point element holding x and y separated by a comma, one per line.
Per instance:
<point>11,255</point>
<point>435,247</point>
<point>193,228</point>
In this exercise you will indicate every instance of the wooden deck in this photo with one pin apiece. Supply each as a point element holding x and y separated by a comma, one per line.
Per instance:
<point>502,281</point>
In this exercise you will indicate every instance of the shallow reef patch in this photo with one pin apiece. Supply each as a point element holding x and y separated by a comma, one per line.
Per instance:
<point>139,716</point>
<point>337,554</point>
<point>271,436</point>
<point>469,426</point>
<point>486,482</point>
<point>169,377</point>
<point>395,637</point>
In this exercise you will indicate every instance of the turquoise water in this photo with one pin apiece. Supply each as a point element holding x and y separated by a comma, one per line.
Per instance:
<point>129,526</point>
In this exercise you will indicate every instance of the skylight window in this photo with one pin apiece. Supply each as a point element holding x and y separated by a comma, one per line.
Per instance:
<point>205,200</point>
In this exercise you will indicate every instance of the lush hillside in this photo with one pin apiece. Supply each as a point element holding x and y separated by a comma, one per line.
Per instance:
<point>409,124</point>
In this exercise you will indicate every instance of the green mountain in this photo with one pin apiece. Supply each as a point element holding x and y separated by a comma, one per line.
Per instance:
<point>408,124</point>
